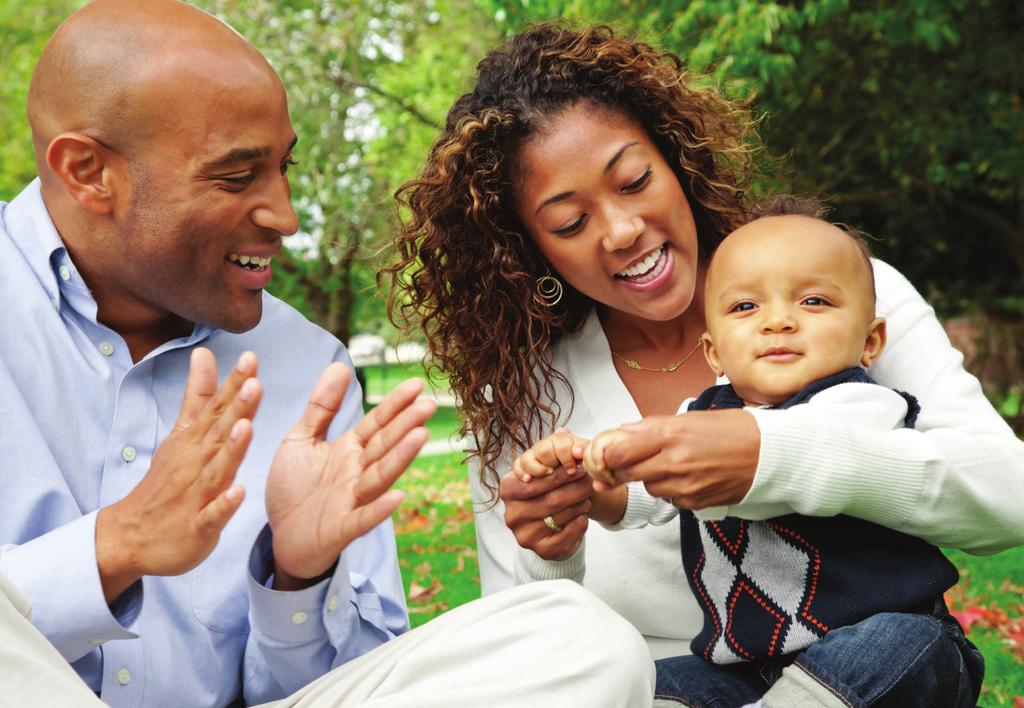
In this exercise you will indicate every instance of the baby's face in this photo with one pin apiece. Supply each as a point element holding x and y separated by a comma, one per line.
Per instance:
<point>788,301</point>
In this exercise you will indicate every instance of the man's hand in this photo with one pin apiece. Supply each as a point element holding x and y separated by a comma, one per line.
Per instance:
<point>173,518</point>
<point>695,460</point>
<point>321,496</point>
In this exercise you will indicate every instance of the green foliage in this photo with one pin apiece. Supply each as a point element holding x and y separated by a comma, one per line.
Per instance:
<point>905,115</point>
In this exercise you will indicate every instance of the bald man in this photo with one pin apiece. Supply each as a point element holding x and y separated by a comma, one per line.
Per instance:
<point>136,261</point>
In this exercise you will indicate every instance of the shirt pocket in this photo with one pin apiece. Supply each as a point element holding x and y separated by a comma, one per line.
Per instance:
<point>220,592</point>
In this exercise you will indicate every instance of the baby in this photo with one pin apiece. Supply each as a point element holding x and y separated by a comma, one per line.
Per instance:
<point>790,309</point>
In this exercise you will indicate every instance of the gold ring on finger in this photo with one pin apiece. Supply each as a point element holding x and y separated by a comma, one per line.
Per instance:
<point>552,524</point>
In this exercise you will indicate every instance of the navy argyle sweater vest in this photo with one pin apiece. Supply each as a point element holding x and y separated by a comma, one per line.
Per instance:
<point>773,587</point>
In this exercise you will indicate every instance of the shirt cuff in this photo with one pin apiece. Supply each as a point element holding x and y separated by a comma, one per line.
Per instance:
<point>58,573</point>
<point>295,616</point>
<point>529,567</point>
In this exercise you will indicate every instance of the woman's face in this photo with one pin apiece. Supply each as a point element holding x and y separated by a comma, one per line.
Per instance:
<point>608,213</point>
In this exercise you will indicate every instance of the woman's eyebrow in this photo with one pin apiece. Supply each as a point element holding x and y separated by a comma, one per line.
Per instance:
<point>617,156</point>
<point>607,168</point>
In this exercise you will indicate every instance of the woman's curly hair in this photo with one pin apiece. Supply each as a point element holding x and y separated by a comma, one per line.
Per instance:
<point>467,269</point>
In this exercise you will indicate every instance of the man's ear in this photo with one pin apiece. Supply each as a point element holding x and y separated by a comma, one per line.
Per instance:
<point>875,342</point>
<point>82,165</point>
<point>710,354</point>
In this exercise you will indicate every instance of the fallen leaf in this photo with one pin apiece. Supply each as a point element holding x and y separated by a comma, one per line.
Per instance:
<point>412,520</point>
<point>420,594</point>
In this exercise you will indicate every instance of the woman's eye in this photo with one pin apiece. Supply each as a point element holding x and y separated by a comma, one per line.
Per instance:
<point>287,163</point>
<point>743,307</point>
<point>639,182</point>
<point>574,226</point>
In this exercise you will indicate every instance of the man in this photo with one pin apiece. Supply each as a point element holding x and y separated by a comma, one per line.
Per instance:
<point>139,255</point>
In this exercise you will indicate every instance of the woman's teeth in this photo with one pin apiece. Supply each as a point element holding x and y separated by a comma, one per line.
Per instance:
<point>643,268</point>
<point>250,262</point>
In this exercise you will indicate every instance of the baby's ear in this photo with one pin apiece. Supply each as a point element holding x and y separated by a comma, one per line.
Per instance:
<point>711,354</point>
<point>874,343</point>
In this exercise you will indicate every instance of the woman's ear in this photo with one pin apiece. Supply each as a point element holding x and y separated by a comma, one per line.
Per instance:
<point>711,355</point>
<point>875,342</point>
<point>81,165</point>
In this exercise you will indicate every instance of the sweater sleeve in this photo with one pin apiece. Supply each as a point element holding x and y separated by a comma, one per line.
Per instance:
<point>954,481</point>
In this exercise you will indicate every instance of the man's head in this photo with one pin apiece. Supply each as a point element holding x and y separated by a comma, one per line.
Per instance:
<point>162,140</point>
<point>789,300</point>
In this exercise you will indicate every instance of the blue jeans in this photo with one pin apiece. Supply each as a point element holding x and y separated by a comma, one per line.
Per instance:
<point>889,659</point>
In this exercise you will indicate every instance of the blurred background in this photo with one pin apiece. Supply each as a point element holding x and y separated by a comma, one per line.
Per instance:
<point>904,115</point>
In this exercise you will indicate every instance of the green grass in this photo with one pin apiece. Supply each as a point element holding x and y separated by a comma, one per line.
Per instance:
<point>381,379</point>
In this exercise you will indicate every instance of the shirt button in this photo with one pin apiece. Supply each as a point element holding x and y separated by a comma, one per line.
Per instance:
<point>65,273</point>
<point>128,453</point>
<point>106,348</point>
<point>332,603</point>
<point>124,676</point>
<point>299,618</point>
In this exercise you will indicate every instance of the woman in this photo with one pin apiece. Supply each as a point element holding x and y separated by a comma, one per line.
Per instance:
<point>555,252</point>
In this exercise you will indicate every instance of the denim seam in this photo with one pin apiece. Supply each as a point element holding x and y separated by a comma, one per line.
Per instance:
<point>831,689</point>
<point>674,699</point>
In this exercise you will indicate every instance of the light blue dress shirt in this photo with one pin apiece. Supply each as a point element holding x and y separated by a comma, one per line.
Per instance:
<point>79,423</point>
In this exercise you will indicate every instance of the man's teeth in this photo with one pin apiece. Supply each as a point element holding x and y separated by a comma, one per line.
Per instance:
<point>250,261</point>
<point>643,266</point>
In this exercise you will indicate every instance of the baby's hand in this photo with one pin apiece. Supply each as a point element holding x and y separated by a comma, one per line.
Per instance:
<point>560,449</point>
<point>593,456</point>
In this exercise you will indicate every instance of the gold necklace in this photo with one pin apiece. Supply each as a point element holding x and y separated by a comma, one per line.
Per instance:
<point>634,364</point>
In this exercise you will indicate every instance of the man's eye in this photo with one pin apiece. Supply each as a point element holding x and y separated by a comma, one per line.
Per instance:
<point>745,306</point>
<point>287,163</point>
<point>574,226</point>
<point>639,182</point>
<point>238,181</point>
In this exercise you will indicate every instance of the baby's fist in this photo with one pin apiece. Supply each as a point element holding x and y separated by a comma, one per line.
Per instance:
<point>593,456</point>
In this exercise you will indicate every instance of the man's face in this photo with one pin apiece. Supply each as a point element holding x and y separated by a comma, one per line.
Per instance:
<point>788,301</point>
<point>209,202</point>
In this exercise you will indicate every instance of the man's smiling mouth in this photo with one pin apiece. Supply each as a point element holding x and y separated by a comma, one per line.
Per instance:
<point>256,263</point>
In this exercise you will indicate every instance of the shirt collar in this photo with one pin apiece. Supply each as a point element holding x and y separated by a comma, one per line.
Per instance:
<point>29,224</point>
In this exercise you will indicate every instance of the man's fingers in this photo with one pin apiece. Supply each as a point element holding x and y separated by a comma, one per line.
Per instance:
<point>414,415</point>
<point>220,471</point>
<point>362,519</point>
<point>214,408</point>
<point>200,387</point>
<point>378,476</point>
<point>393,405</point>
<point>324,403</point>
<point>214,516</point>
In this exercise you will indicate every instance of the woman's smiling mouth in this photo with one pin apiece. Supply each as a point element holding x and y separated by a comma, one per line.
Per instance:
<point>648,269</point>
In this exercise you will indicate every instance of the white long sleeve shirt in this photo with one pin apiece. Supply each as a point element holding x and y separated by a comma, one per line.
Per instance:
<point>955,480</point>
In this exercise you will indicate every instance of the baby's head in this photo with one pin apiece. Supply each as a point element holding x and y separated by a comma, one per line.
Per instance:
<point>789,299</point>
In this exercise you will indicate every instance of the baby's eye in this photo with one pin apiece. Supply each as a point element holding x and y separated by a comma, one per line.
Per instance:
<point>745,306</point>
<point>815,301</point>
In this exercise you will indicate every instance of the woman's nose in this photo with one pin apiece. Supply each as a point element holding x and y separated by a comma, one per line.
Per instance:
<point>623,231</point>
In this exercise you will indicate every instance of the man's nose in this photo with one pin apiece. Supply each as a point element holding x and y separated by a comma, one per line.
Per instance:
<point>276,212</point>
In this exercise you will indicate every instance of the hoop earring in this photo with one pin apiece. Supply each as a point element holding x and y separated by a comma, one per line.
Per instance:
<point>548,290</point>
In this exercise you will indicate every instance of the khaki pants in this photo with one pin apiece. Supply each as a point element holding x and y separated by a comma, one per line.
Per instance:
<point>542,644</point>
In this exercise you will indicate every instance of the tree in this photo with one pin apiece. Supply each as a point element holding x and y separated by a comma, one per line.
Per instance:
<point>368,84</point>
<point>905,115</point>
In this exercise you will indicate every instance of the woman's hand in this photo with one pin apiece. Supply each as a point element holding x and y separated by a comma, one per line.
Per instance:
<point>695,460</point>
<point>547,497</point>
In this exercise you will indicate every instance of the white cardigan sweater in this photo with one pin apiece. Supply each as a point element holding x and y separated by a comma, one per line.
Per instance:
<point>956,480</point>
